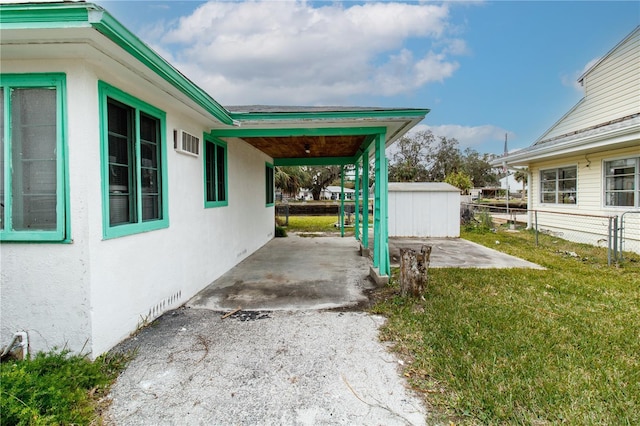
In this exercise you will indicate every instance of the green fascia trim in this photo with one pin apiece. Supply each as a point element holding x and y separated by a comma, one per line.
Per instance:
<point>240,132</point>
<point>44,15</point>
<point>315,161</point>
<point>68,15</point>
<point>329,115</point>
<point>116,32</point>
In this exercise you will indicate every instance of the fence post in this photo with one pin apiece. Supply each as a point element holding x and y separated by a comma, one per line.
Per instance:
<point>621,234</point>
<point>535,213</point>
<point>609,241</point>
<point>286,213</point>
<point>615,238</point>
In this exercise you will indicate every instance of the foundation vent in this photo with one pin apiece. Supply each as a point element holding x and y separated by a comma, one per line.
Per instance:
<point>164,305</point>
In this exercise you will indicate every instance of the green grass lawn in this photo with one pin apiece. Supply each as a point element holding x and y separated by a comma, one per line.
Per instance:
<point>315,224</point>
<point>517,346</point>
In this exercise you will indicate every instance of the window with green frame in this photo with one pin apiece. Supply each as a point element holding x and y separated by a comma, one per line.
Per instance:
<point>133,152</point>
<point>33,202</point>
<point>269,188</point>
<point>215,173</point>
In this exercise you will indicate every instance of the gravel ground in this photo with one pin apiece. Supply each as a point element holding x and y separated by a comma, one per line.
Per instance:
<point>262,368</point>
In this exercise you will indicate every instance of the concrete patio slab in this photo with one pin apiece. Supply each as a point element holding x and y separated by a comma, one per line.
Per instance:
<point>457,253</point>
<point>293,273</point>
<point>324,272</point>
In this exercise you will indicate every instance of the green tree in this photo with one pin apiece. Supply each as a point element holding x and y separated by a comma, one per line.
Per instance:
<point>291,179</point>
<point>460,180</point>
<point>477,167</point>
<point>321,177</point>
<point>409,161</point>
<point>445,158</point>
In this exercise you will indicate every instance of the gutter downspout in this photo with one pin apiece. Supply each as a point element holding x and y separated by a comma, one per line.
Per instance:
<point>529,200</point>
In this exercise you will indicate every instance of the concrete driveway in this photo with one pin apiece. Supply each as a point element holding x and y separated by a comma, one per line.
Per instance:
<point>283,359</point>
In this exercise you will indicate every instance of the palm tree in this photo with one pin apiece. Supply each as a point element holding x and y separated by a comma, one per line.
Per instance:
<point>291,179</point>
<point>522,176</point>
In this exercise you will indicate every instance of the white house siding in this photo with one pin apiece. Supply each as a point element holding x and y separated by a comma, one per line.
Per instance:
<point>611,90</point>
<point>99,291</point>
<point>58,271</point>
<point>590,197</point>
<point>425,213</point>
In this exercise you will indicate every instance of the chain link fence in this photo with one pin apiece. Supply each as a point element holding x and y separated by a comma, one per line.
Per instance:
<point>619,234</point>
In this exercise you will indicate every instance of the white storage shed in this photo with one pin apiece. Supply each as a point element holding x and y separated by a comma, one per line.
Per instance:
<point>424,209</point>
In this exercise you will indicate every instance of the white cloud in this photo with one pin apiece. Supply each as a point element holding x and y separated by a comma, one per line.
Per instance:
<point>294,52</point>
<point>571,80</point>
<point>469,136</point>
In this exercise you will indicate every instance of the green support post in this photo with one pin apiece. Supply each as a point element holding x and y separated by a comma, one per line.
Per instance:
<point>365,199</point>
<point>342,201</point>
<point>376,205</point>
<point>385,263</point>
<point>381,238</point>
<point>356,223</point>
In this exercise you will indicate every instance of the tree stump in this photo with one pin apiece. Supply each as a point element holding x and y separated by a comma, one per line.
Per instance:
<point>413,271</point>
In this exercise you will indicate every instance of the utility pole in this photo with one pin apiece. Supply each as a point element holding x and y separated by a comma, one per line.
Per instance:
<point>506,171</point>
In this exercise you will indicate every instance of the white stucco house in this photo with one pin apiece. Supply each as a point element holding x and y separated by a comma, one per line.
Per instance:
<point>588,162</point>
<point>125,188</point>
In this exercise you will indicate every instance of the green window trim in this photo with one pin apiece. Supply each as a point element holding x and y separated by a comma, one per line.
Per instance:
<point>269,185</point>
<point>215,172</point>
<point>140,111</point>
<point>60,228</point>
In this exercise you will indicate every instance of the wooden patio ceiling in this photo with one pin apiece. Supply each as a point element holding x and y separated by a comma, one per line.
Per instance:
<point>308,146</point>
<point>297,135</point>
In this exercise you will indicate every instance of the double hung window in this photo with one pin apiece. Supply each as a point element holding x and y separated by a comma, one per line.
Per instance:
<point>133,152</point>
<point>621,182</point>
<point>33,202</point>
<point>559,186</point>
<point>269,188</point>
<point>215,173</point>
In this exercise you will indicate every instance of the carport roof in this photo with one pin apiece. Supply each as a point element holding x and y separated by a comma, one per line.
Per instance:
<point>317,134</point>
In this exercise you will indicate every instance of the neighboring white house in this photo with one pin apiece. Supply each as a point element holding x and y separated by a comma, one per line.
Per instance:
<point>332,192</point>
<point>587,165</point>
<point>124,187</point>
<point>513,185</point>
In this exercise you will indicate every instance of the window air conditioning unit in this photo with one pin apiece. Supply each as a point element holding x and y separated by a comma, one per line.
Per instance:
<point>186,143</point>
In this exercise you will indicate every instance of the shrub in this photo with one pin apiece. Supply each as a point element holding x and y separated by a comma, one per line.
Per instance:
<point>280,232</point>
<point>55,387</point>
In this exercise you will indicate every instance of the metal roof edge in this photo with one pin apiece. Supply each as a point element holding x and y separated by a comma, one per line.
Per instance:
<point>345,114</point>
<point>571,142</point>
<point>610,52</point>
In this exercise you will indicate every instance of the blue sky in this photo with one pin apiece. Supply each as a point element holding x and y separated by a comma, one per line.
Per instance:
<point>483,68</point>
